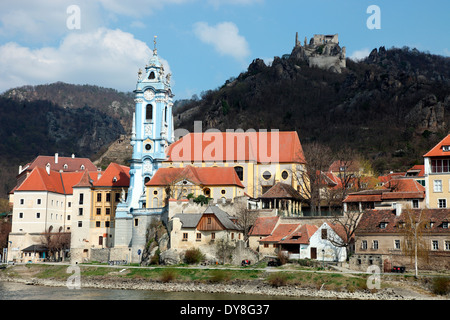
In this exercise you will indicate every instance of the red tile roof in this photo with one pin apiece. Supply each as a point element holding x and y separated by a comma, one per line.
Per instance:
<point>371,219</point>
<point>114,176</point>
<point>72,164</point>
<point>281,232</point>
<point>57,182</point>
<point>263,226</point>
<point>393,189</point>
<point>206,176</point>
<point>300,236</point>
<point>238,146</point>
<point>437,150</point>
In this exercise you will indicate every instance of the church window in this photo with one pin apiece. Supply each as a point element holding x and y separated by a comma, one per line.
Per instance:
<point>223,191</point>
<point>147,179</point>
<point>240,172</point>
<point>148,147</point>
<point>136,222</point>
<point>284,175</point>
<point>149,112</point>
<point>267,175</point>
<point>165,114</point>
<point>151,76</point>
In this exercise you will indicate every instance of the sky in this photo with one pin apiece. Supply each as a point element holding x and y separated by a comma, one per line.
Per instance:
<point>202,43</point>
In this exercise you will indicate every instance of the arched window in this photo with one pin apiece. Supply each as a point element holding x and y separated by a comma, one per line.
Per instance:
<point>165,114</point>
<point>240,172</point>
<point>151,76</point>
<point>149,112</point>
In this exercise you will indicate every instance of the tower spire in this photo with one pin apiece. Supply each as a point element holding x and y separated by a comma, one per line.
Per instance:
<point>155,51</point>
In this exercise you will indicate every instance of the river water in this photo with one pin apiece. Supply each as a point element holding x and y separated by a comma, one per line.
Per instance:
<point>20,291</point>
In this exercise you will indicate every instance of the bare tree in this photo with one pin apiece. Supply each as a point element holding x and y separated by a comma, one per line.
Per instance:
<point>245,218</point>
<point>309,176</point>
<point>56,242</point>
<point>413,224</point>
<point>347,225</point>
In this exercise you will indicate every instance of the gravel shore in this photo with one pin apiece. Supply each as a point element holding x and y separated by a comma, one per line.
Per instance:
<point>235,288</point>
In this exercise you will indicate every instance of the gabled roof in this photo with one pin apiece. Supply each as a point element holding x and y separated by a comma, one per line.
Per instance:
<point>205,176</point>
<point>263,226</point>
<point>281,191</point>
<point>437,150</point>
<point>238,146</point>
<point>191,220</point>
<point>114,176</point>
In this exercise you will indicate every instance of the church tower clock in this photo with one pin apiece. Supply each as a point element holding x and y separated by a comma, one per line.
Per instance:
<point>152,133</point>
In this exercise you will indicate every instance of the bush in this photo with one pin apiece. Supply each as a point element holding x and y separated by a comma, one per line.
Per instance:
<point>441,285</point>
<point>193,256</point>
<point>168,275</point>
<point>277,279</point>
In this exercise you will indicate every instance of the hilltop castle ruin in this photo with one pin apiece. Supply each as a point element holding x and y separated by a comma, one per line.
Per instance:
<point>323,51</point>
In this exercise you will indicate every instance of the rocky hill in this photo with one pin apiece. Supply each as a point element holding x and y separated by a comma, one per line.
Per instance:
<point>391,107</point>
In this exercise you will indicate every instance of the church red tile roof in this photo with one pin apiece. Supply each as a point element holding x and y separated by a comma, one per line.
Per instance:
<point>238,146</point>
<point>206,176</point>
<point>437,150</point>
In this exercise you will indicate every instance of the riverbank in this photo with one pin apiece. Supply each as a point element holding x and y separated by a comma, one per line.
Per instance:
<point>234,282</point>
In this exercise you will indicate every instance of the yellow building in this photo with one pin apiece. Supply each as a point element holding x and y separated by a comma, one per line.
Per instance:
<point>218,183</point>
<point>260,159</point>
<point>437,175</point>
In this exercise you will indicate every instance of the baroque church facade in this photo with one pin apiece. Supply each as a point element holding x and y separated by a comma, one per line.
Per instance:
<point>152,133</point>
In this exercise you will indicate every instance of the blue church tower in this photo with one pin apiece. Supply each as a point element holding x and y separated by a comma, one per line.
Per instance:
<point>152,133</point>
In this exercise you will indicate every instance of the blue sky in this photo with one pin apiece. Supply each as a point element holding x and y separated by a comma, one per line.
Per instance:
<point>202,43</point>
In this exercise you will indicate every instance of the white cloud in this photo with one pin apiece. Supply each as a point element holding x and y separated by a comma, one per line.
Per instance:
<point>104,57</point>
<point>360,54</point>
<point>224,37</point>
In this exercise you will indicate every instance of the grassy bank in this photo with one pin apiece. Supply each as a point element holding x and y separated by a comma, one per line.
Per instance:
<point>295,276</point>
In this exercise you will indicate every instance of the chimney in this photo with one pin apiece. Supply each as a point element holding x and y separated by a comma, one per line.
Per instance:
<point>73,155</point>
<point>47,168</point>
<point>56,157</point>
<point>99,173</point>
<point>398,209</point>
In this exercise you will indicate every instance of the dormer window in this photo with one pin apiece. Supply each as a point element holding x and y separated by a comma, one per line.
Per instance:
<point>383,225</point>
<point>446,148</point>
